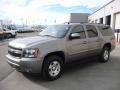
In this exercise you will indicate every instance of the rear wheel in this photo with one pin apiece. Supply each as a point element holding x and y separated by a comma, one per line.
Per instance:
<point>105,55</point>
<point>52,68</point>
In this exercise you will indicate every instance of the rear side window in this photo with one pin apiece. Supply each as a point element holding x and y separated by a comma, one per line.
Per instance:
<point>79,29</point>
<point>91,30</point>
<point>105,30</point>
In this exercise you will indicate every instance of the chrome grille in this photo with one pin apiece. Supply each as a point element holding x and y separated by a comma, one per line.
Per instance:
<point>16,52</point>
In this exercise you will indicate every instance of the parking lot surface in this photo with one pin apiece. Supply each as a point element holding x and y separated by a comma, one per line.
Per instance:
<point>88,75</point>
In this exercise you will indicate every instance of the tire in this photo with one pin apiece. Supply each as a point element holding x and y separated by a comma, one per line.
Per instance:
<point>105,55</point>
<point>9,35</point>
<point>13,36</point>
<point>50,71</point>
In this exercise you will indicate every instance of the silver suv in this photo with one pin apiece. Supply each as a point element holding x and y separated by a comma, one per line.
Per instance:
<point>56,45</point>
<point>9,33</point>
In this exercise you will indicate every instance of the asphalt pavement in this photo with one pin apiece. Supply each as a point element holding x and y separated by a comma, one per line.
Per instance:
<point>88,75</point>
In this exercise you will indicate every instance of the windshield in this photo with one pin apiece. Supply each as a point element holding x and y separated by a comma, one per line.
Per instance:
<point>12,27</point>
<point>57,31</point>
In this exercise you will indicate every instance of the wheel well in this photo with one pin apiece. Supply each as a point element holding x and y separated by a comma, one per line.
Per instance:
<point>57,53</point>
<point>108,45</point>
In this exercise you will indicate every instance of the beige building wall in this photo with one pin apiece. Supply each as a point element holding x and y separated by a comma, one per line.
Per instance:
<point>112,9</point>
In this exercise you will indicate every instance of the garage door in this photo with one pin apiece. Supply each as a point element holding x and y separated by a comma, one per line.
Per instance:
<point>117,21</point>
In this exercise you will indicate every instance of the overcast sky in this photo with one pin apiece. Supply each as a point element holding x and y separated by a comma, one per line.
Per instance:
<point>45,11</point>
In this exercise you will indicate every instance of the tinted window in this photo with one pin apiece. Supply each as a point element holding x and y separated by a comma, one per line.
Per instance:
<point>79,29</point>
<point>105,30</point>
<point>91,30</point>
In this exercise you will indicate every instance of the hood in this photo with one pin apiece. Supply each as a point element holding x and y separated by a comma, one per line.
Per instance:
<point>10,31</point>
<point>29,41</point>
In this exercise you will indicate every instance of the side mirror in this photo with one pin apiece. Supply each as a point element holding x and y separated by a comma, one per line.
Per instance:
<point>74,36</point>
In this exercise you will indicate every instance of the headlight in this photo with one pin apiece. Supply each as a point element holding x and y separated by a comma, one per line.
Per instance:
<point>31,53</point>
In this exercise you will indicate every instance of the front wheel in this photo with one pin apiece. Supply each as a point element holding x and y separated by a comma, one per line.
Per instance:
<point>105,55</point>
<point>13,36</point>
<point>52,68</point>
<point>9,35</point>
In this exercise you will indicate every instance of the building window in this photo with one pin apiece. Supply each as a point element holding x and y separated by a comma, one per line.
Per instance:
<point>89,20</point>
<point>101,20</point>
<point>92,21</point>
<point>96,20</point>
<point>108,20</point>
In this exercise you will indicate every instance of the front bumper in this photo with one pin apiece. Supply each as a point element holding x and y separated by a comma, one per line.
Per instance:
<point>30,65</point>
